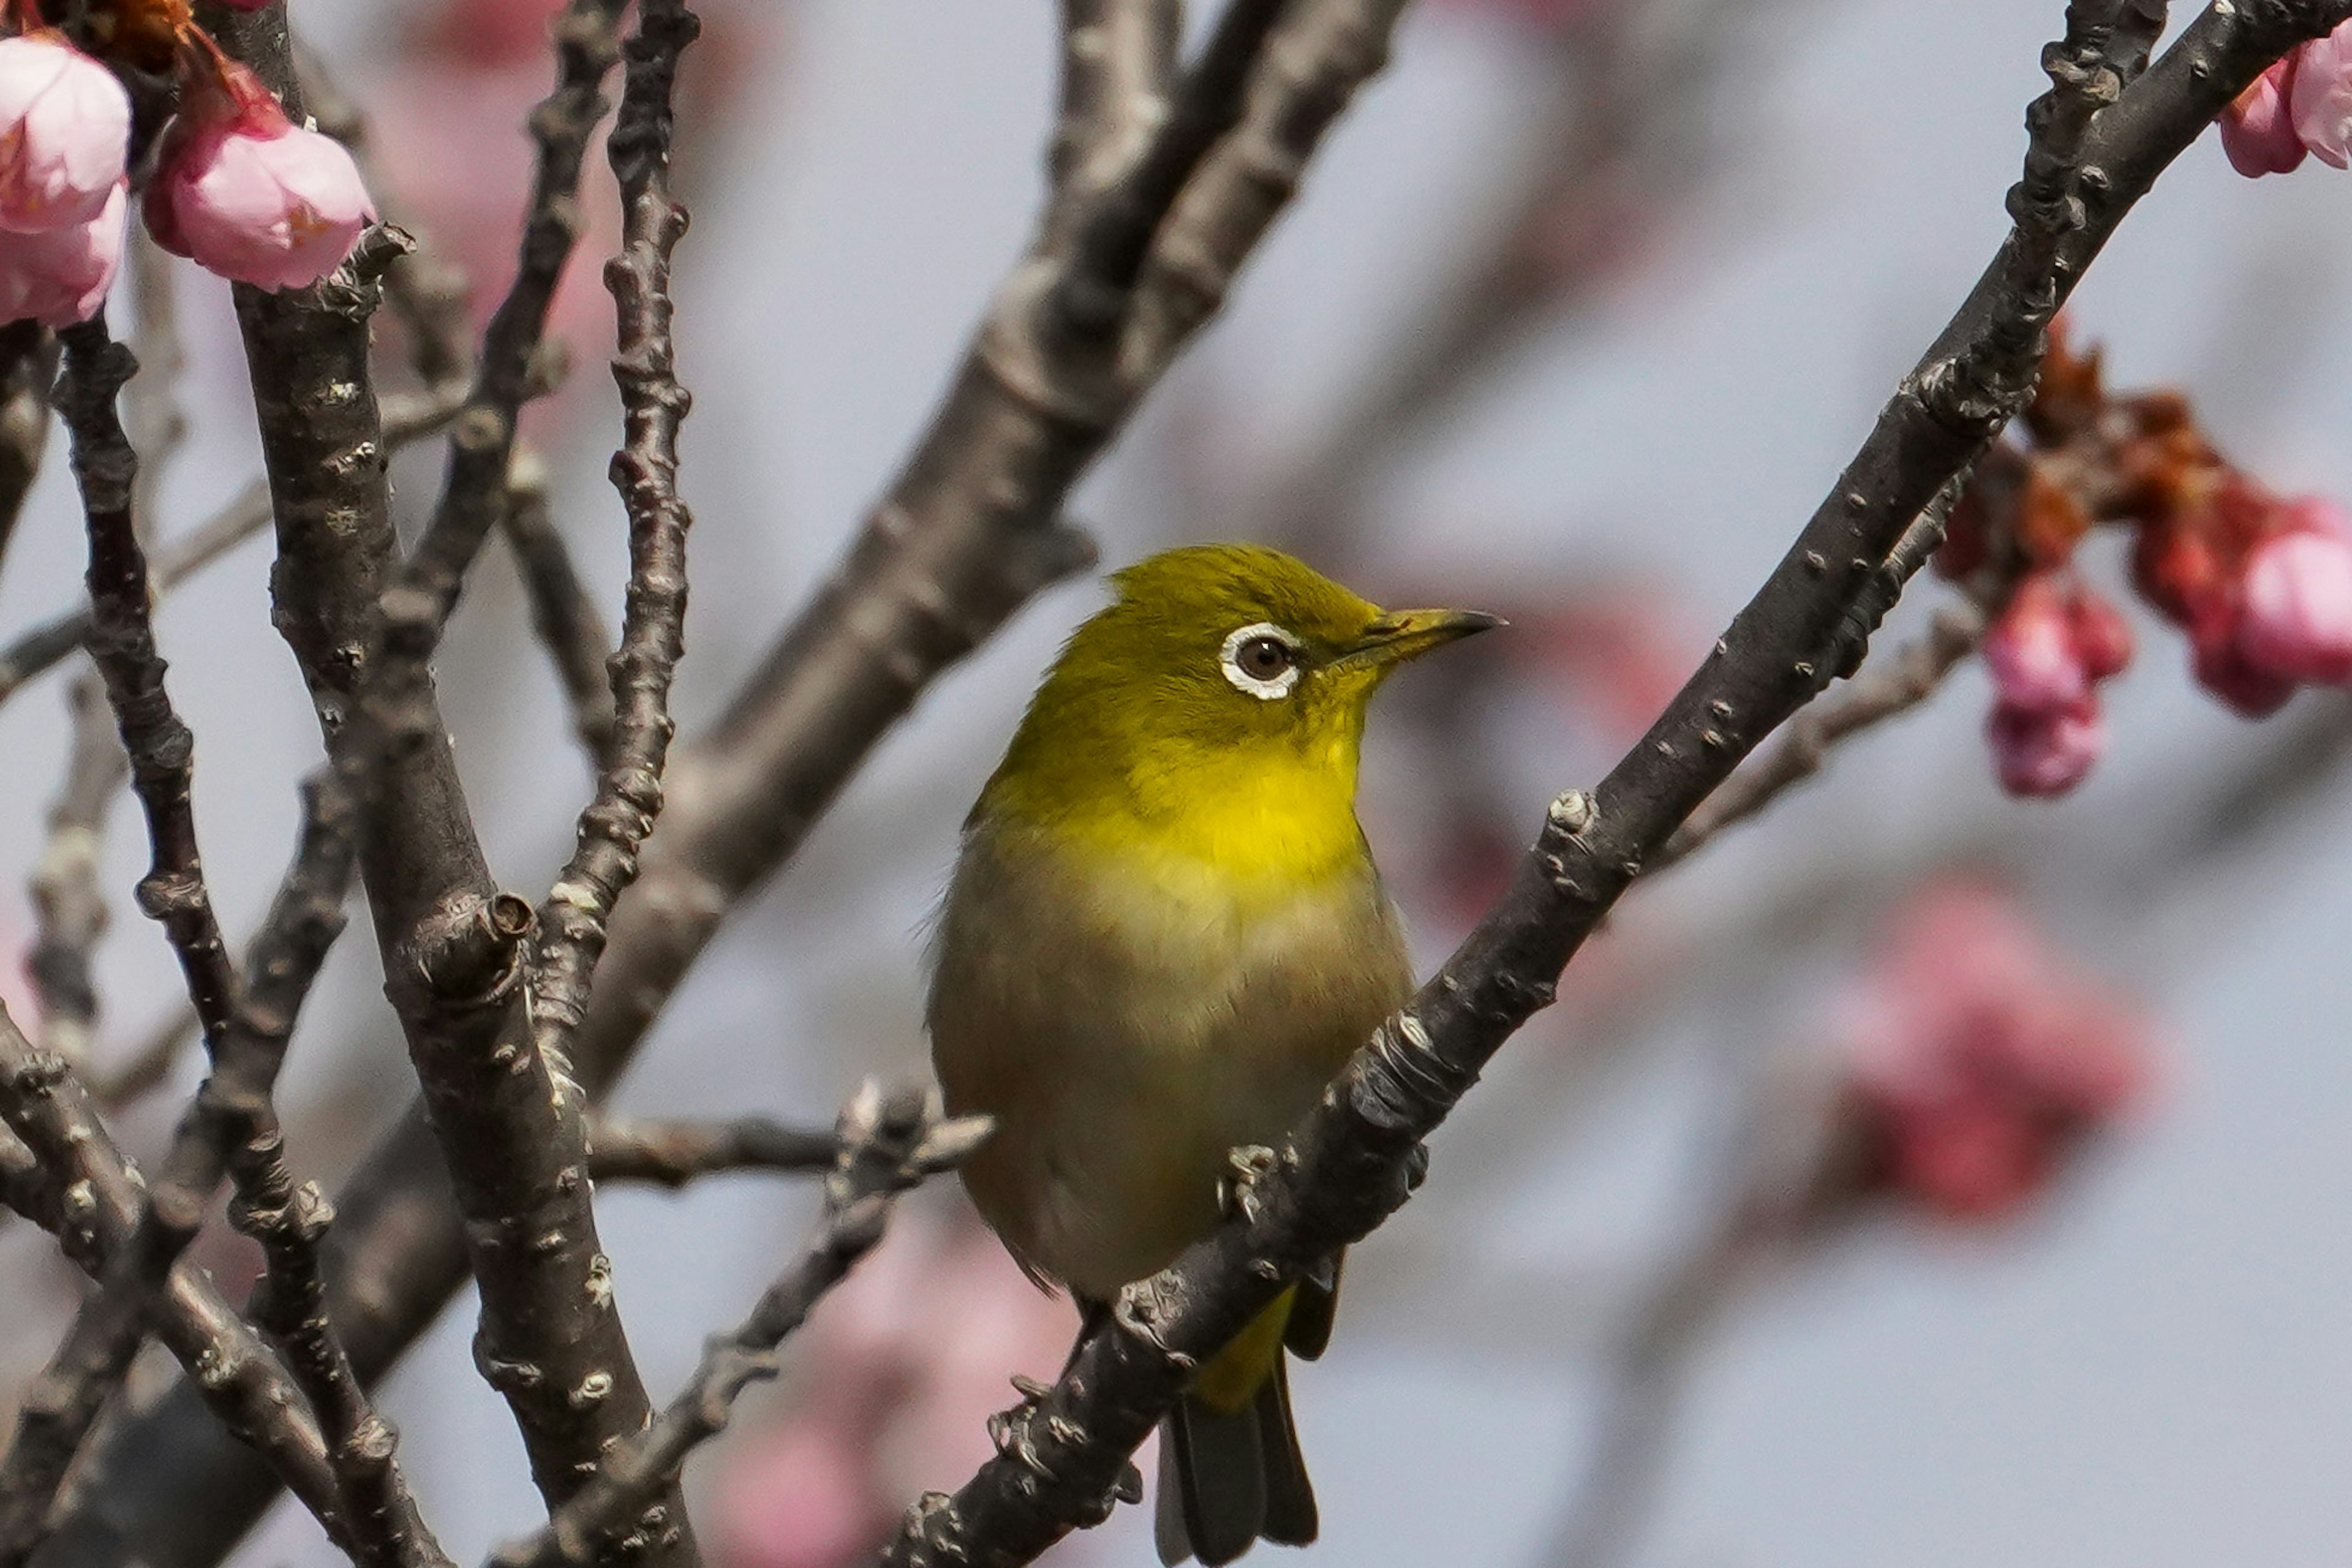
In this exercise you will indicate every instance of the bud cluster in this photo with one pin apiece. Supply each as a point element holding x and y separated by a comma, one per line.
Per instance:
<point>2260,584</point>
<point>236,186</point>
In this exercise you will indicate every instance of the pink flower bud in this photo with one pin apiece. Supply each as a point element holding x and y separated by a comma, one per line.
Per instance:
<point>2053,639</point>
<point>65,124</point>
<point>2043,752</point>
<point>244,192</point>
<point>2258,128</point>
<point>2320,101</point>
<point>2103,639</point>
<point>2296,618</point>
<point>2220,665</point>
<point>61,276</point>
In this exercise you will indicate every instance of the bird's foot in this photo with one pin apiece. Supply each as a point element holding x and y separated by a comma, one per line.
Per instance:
<point>1245,1168</point>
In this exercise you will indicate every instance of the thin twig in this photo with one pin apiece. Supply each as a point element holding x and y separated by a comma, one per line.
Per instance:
<point>672,1153</point>
<point>28,364</point>
<point>481,448</point>
<point>69,905</point>
<point>98,1202</point>
<point>1356,1157</point>
<point>406,420</point>
<point>1112,237</point>
<point>562,613</point>
<point>108,1329</point>
<point>572,921</point>
<point>380,1518</point>
<point>887,1145</point>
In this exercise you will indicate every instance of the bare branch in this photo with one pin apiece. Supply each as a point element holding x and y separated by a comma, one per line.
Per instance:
<point>473,491</point>
<point>1119,57</point>
<point>110,1327</point>
<point>406,420</point>
<point>96,1204</point>
<point>887,1145</point>
<point>552,1339</point>
<point>562,613</point>
<point>70,906</point>
<point>28,362</point>
<point>615,824</point>
<point>673,1153</point>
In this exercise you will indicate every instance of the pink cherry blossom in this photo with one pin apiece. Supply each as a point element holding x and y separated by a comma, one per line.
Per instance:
<point>2258,128</point>
<point>2321,100</point>
<point>246,194</point>
<point>61,276</point>
<point>1977,1061</point>
<point>65,124</point>
<point>2043,752</point>
<point>2296,617</point>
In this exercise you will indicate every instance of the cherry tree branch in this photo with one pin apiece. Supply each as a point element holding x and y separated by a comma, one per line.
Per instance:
<point>887,1145</point>
<point>672,1153</point>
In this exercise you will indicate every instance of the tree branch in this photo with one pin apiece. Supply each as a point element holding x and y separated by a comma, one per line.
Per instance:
<point>97,1199</point>
<point>1119,57</point>
<point>888,1145</point>
<point>562,613</point>
<point>573,921</point>
<point>28,362</point>
<point>673,1153</point>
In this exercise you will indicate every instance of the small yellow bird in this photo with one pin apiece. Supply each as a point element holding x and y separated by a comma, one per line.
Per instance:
<point>1164,934</point>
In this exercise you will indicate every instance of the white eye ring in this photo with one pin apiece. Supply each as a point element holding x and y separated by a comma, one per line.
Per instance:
<point>1260,687</point>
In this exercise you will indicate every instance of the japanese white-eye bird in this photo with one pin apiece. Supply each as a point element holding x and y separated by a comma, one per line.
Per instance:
<point>1163,936</point>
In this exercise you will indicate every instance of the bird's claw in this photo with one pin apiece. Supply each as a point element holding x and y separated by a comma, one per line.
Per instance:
<point>1245,1168</point>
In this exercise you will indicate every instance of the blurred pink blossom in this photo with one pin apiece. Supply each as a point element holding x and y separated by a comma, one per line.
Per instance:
<point>61,276</point>
<point>902,1367</point>
<point>1977,1060</point>
<point>2321,98</point>
<point>2050,646</point>
<point>2297,619</point>
<point>2258,128</point>
<point>245,193</point>
<point>2045,752</point>
<point>65,126</point>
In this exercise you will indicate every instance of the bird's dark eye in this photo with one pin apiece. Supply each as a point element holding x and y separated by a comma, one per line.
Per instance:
<point>1263,657</point>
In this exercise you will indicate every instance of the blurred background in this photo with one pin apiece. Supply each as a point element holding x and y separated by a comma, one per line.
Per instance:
<point>1581,311</point>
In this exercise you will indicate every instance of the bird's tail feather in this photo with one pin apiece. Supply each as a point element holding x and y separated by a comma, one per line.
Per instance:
<point>1227,1478</point>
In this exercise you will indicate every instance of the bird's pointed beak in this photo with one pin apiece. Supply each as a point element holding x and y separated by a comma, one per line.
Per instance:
<point>1401,635</point>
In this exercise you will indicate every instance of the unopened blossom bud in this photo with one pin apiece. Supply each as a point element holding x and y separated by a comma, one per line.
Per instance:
<point>61,276</point>
<point>2320,103</point>
<point>2295,620</point>
<point>2218,661</point>
<point>2045,752</point>
<point>2031,649</point>
<point>2258,128</point>
<point>64,126</point>
<point>245,193</point>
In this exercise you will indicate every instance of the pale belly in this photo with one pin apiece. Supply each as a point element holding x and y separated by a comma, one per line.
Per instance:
<point>1127,1028</point>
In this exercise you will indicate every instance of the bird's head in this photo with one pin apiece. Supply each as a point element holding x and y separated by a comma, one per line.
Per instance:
<point>1217,660</point>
